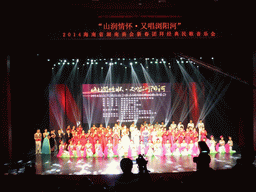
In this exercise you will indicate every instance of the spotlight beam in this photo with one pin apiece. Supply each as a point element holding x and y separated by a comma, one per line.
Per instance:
<point>213,68</point>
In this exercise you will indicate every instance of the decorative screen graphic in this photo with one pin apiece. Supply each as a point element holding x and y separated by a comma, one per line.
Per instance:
<point>125,102</point>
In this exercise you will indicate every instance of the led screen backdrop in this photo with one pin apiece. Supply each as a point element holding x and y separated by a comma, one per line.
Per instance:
<point>125,102</point>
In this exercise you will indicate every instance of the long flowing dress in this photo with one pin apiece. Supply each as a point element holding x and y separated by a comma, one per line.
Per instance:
<point>46,145</point>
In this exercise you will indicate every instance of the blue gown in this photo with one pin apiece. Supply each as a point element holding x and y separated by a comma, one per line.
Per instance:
<point>46,145</point>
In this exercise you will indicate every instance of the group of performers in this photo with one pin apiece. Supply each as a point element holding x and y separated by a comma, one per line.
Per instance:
<point>150,140</point>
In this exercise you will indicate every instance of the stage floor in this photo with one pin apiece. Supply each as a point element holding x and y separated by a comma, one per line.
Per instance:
<point>52,165</point>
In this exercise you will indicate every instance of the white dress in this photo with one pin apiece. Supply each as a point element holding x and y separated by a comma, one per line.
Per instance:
<point>190,146</point>
<point>120,150</point>
<point>222,147</point>
<point>184,151</point>
<point>177,150</point>
<point>89,150</point>
<point>158,149</point>
<point>125,141</point>
<point>110,151</point>
<point>150,151</point>
<point>142,149</point>
<point>134,150</point>
<point>154,133</point>
<point>136,137</point>
<point>168,149</point>
<point>212,147</point>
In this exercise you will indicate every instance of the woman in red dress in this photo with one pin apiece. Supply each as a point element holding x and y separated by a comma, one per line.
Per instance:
<point>79,129</point>
<point>164,136</point>
<point>187,136</point>
<point>115,138</point>
<point>203,134</point>
<point>83,138</point>
<point>195,135</point>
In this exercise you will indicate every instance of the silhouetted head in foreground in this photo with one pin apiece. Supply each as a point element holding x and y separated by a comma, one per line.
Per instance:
<point>126,165</point>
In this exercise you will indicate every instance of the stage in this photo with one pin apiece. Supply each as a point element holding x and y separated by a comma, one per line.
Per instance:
<point>52,165</point>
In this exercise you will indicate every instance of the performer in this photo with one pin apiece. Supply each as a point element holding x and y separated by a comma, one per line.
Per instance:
<point>141,148</point>
<point>230,143</point>
<point>184,148</point>
<point>158,151</point>
<point>164,136</point>
<point>136,136</point>
<point>162,125</point>
<point>150,148</point>
<point>195,135</point>
<point>134,151</point>
<point>203,134</point>
<point>120,149</point>
<point>173,125</point>
<point>180,125</point>
<point>115,137</point>
<point>59,136</point>
<point>79,129</point>
<point>61,152</point>
<point>190,147</point>
<point>157,126</point>
<point>78,149</point>
<point>109,149</point>
<point>167,148</point>
<point>52,142</point>
<point>221,145</point>
<point>98,150</point>
<point>200,127</point>
<point>212,145</point>
<point>125,140</point>
<point>68,136</point>
<point>38,140</point>
<point>46,144</point>
<point>176,148</point>
<point>154,135</point>
<point>191,124</point>
<point>187,136</point>
<point>88,149</point>
<point>132,127</point>
<point>145,135</point>
<point>71,149</point>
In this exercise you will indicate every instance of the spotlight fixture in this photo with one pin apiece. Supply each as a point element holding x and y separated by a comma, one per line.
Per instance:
<point>101,67</point>
<point>48,59</point>
<point>125,67</point>
<point>123,59</point>
<point>87,63</point>
<point>118,58</point>
<point>58,63</point>
<point>201,57</point>
<point>212,58</point>
<point>77,60</point>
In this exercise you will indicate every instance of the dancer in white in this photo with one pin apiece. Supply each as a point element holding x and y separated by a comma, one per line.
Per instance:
<point>125,140</point>
<point>136,136</point>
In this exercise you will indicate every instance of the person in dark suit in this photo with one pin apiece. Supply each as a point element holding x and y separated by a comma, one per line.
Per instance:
<point>59,138</point>
<point>68,137</point>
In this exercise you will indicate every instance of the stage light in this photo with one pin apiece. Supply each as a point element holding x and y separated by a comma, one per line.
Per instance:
<point>121,64</point>
<point>212,58</point>
<point>65,60</point>
<point>100,59</point>
<point>48,59</point>
<point>106,63</point>
<point>186,61</point>
<point>182,61</point>
<point>73,63</point>
<point>123,59</point>
<point>77,60</point>
<point>101,67</point>
<point>147,67</point>
<point>169,66</point>
<point>134,58</point>
<point>96,63</point>
<point>153,58</point>
<point>201,57</point>
<point>115,62</point>
<point>125,67</point>
<point>151,61</point>
<point>111,59</point>
<point>118,58</point>
<point>136,62</point>
<point>87,63</point>
<point>83,64</point>
<point>53,68</point>
<point>130,63</point>
<point>78,68</point>
<point>58,63</point>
